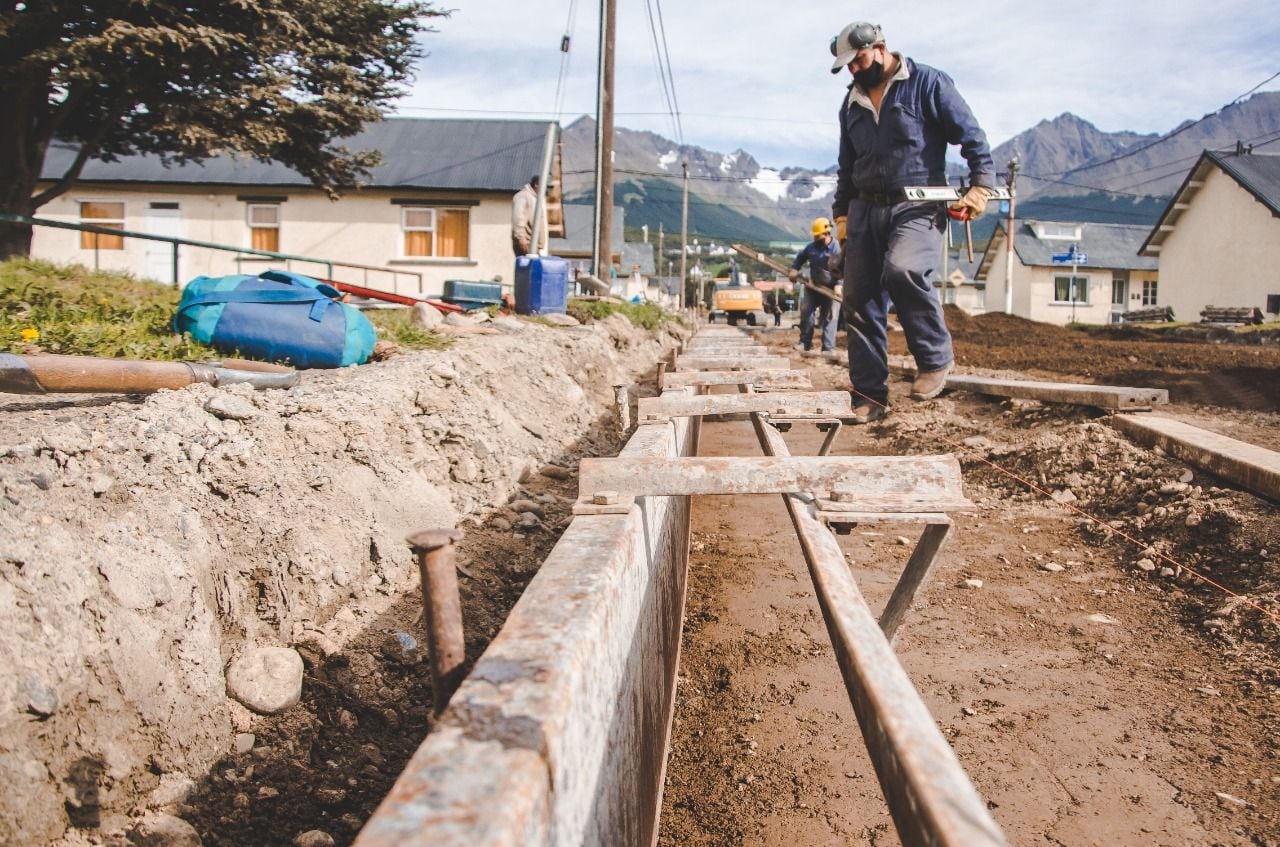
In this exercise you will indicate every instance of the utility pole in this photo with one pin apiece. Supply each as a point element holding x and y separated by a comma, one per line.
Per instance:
<point>661,237</point>
<point>684,232</point>
<point>601,254</point>
<point>1009,235</point>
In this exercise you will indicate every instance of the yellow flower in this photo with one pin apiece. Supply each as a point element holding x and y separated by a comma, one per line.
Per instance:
<point>30,334</point>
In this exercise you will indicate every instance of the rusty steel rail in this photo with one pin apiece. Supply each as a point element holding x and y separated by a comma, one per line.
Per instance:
<point>931,799</point>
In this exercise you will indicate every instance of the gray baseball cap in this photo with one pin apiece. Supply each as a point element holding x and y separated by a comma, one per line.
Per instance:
<point>851,39</point>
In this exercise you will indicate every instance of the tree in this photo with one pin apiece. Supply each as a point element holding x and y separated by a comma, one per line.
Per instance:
<point>189,79</point>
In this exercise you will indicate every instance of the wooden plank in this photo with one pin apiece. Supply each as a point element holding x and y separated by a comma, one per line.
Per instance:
<point>783,269</point>
<point>761,378</point>
<point>792,404</point>
<point>885,483</point>
<point>730,363</point>
<point>728,351</point>
<point>1247,465</point>
<point>1114,397</point>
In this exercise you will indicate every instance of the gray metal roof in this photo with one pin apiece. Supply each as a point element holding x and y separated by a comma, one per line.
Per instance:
<point>476,155</point>
<point>1257,173</point>
<point>579,226</point>
<point>1106,245</point>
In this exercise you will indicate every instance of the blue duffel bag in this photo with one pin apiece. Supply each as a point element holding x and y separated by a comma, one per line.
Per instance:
<point>277,316</point>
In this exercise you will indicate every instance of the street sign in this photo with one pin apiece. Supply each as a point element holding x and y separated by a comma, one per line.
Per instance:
<point>1070,258</point>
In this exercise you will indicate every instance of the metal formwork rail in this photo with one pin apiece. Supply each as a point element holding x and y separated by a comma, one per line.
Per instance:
<point>930,797</point>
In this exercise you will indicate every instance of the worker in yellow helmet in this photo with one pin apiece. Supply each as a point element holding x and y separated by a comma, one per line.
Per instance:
<point>818,255</point>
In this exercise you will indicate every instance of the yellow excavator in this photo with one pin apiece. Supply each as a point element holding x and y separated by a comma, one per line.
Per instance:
<point>736,299</point>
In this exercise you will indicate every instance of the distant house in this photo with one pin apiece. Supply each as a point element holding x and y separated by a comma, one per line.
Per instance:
<point>1218,241</point>
<point>1111,280</point>
<point>438,208</point>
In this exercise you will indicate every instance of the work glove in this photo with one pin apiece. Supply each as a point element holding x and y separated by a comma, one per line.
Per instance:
<point>972,204</point>
<point>841,231</point>
<point>793,275</point>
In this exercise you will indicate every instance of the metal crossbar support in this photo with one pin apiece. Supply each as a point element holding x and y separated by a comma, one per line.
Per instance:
<point>696,362</point>
<point>760,378</point>
<point>729,350</point>
<point>797,405</point>
<point>931,799</point>
<point>880,484</point>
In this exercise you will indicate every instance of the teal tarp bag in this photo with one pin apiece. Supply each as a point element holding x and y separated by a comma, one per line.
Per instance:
<point>277,316</point>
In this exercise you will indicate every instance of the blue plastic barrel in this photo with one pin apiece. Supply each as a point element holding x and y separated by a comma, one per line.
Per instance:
<point>542,285</point>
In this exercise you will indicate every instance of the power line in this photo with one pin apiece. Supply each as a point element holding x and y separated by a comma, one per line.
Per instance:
<point>657,59</point>
<point>670,74</point>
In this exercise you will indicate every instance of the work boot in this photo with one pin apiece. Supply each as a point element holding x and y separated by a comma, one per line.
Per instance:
<point>930,383</point>
<point>866,411</point>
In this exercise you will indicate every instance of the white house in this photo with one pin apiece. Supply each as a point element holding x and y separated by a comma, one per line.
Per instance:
<point>1218,241</point>
<point>1111,279</point>
<point>437,208</point>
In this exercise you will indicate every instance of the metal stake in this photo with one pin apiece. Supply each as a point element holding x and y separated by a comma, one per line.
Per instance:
<point>443,609</point>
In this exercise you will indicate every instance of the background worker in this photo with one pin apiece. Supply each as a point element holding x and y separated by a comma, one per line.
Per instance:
<point>895,124</point>
<point>817,254</point>
<point>523,206</point>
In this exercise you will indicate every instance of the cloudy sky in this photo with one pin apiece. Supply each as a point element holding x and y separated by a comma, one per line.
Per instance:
<point>755,75</point>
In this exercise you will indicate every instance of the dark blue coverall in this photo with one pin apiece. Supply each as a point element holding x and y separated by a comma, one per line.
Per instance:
<point>817,254</point>
<point>892,246</point>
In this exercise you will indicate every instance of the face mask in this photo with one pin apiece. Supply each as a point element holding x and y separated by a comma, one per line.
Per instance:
<point>871,77</point>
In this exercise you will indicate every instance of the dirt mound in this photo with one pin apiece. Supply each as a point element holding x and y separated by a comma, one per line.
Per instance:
<point>146,543</point>
<point>1193,370</point>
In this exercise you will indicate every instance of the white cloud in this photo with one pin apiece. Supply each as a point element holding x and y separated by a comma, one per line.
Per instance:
<point>747,77</point>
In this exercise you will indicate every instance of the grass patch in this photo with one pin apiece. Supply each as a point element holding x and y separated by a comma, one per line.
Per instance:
<point>397,325</point>
<point>645,315</point>
<point>69,309</point>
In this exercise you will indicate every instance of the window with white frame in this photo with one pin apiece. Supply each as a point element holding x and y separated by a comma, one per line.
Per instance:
<point>431,232</point>
<point>1068,289</point>
<point>264,226</point>
<point>1149,292</point>
<point>103,213</point>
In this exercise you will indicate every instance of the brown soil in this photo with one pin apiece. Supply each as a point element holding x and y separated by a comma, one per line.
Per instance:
<point>1239,376</point>
<point>1158,724</point>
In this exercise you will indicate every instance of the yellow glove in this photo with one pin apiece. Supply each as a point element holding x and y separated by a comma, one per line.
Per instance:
<point>793,274</point>
<point>975,200</point>
<point>841,232</point>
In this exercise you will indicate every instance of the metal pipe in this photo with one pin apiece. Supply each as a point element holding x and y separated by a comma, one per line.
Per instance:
<point>442,609</point>
<point>930,797</point>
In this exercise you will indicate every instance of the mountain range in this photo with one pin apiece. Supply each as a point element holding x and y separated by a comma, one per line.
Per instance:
<point>1068,170</point>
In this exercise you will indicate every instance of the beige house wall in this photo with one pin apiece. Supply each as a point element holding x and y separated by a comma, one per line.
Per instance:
<point>361,229</point>
<point>1033,291</point>
<point>1224,251</point>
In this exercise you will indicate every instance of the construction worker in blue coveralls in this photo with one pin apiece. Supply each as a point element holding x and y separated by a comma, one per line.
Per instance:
<point>818,254</point>
<point>895,124</point>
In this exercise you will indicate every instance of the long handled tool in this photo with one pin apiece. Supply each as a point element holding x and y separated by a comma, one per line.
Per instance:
<point>50,374</point>
<point>778,266</point>
<point>950,194</point>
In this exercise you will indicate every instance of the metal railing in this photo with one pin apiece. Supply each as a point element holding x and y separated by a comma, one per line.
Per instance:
<point>242,252</point>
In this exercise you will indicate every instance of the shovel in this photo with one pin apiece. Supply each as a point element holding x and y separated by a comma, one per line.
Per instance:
<point>50,374</point>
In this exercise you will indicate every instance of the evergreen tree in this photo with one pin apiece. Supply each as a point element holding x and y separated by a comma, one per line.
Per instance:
<point>272,79</point>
